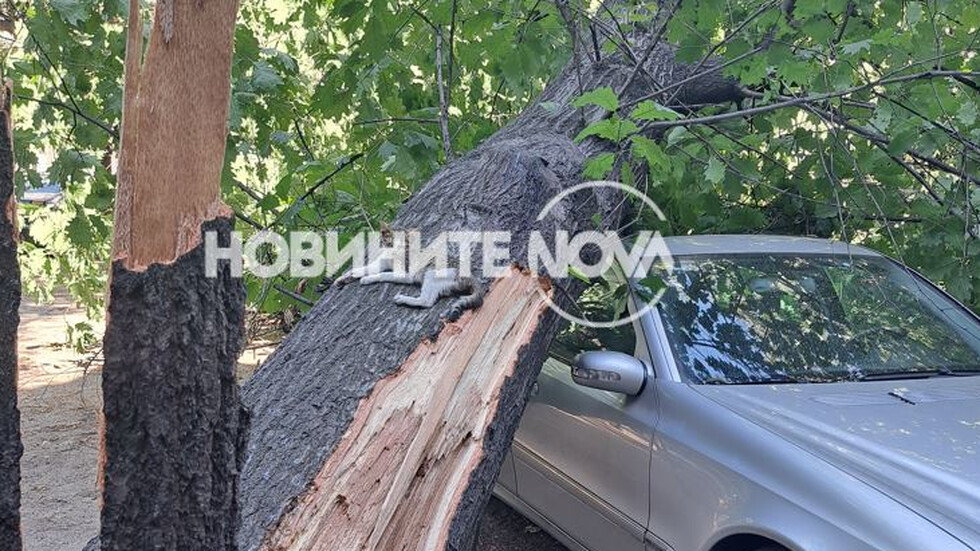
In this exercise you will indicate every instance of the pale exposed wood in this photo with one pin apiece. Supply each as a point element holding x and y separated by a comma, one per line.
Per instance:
<point>417,435</point>
<point>173,150</point>
<point>122,228</point>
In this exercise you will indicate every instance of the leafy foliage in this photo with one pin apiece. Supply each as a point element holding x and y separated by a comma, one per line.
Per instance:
<point>344,89</point>
<point>866,130</point>
<point>340,97</point>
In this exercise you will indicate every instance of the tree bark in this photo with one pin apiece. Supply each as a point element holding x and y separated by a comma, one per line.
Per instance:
<point>10,444</point>
<point>375,426</point>
<point>174,425</point>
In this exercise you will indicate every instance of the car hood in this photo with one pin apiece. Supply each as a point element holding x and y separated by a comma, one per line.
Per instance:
<point>917,441</point>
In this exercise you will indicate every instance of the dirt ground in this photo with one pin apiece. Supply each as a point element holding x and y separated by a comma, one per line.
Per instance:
<point>60,397</point>
<point>59,403</point>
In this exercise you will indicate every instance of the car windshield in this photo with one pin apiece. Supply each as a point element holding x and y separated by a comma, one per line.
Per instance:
<point>753,319</point>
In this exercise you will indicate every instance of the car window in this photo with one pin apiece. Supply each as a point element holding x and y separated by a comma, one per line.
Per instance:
<point>788,318</point>
<point>602,303</point>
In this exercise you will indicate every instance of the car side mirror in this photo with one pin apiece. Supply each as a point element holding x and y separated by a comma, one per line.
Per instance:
<point>612,371</point>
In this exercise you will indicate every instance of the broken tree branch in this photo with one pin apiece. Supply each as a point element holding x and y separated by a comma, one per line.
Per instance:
<point>375,426</point>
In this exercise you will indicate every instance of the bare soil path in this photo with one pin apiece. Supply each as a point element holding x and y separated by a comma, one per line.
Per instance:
<point>59,405</point>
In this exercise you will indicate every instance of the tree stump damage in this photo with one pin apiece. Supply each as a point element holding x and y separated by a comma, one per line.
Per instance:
<point>174,425</point>
<point>10,443</point>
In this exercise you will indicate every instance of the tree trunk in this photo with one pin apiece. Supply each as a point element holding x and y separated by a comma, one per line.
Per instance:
<point>374,427</point>
<point>173,420</point>
<point>10,446</point>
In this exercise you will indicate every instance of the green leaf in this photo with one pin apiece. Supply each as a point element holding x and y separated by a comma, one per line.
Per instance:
<point>826,210</point>
<point>72,11</point>
<point>715,171</point>
<point>598,167</point>
<point>613,129</point>
<point>653,111</point>
<point>603,97</point>
<point>967,113</point>
<point>578,274</point>
<point>795,72</point>
<point>651,152</point>
<point>677,135</point>
<point>902,141</point>
<point>913,13</point>
<point>264,77</point>
<point>855,47</point>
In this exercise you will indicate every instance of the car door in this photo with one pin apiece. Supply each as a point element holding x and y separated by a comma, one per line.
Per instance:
<point>581,455</point>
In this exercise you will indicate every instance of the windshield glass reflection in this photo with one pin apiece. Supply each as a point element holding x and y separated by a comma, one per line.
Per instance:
<point>746,319</point>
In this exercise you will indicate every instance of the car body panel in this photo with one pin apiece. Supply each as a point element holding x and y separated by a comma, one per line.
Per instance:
<point>915,440</point>
<point>579,430</point>
<point>753,244</point>
<point>820,467</point>
<point>715,473</point>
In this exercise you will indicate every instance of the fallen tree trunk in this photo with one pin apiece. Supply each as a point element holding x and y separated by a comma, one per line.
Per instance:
<point>173,420</point>
<point>366,434</point>
<point>10,444</point>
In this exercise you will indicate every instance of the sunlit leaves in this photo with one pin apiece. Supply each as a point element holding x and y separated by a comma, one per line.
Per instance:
<point>598,167</point>
<point>714,172</point>
<point>72,11</point>
<point>314,82</point>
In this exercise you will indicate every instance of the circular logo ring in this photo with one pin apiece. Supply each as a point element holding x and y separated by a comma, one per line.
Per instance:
<point>651,304</point>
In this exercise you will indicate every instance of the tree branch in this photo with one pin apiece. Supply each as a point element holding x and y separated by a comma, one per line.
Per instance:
<point>74,111</point>
<point>728,37</point>
<point>396,119</point>
<point>664,15</point>
<point>447,146</point>
<point>803,100</point>
<point>320,183</point>
<point>302,141</point>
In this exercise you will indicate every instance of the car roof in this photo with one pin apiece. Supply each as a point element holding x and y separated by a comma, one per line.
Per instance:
<point>748,244</point>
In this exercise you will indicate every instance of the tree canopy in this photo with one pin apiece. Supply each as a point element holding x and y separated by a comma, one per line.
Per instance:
<point>858,121</point>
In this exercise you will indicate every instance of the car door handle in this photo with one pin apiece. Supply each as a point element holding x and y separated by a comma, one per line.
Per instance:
<point>535,390</point>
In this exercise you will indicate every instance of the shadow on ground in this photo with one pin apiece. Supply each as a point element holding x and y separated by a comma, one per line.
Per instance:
<point>503,529</point>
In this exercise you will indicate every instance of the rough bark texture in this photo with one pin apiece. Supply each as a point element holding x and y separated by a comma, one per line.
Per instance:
<point>313,398</point>
<point>174,426</point>
<point>173,420</point>
<point>10,445</point>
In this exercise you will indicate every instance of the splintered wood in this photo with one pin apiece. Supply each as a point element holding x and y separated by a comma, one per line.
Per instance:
<point>175,117</point>
<point>398,474</point>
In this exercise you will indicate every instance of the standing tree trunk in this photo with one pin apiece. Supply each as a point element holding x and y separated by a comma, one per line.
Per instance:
<point>366,433</point>
<point>10,446</point>
<point>173,420</point>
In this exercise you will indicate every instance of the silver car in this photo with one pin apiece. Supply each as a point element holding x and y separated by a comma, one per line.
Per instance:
<point>784,394</point>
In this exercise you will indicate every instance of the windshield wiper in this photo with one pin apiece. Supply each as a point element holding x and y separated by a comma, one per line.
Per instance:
<point>779,380</point>
<point>910,375</point>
